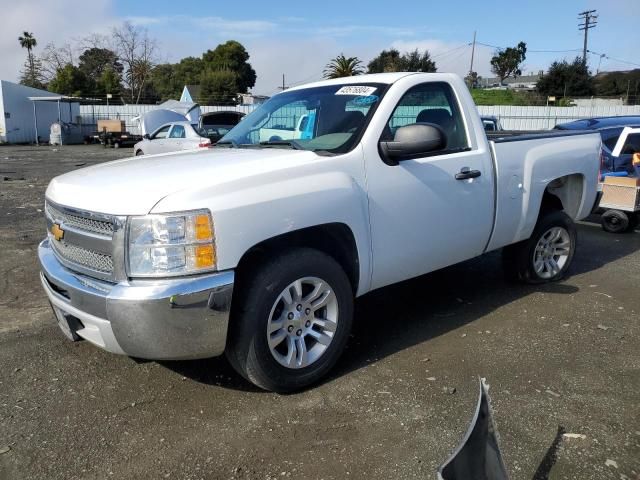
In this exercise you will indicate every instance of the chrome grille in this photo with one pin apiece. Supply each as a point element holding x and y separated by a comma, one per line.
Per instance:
<point>81,256</point>
<point>86,223</point>
<point>88,241</point>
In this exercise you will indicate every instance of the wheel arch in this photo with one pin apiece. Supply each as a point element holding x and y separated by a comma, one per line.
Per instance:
<point>566,193</point>
<point>335,239</point>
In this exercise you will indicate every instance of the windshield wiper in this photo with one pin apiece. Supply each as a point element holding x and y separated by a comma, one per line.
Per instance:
<point>290,143</point>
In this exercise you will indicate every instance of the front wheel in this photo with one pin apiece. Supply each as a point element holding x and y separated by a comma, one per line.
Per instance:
<point>291,321</point>
<point>546,255</point>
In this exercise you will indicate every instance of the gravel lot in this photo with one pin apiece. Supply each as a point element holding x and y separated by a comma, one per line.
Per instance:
<point>564,356</point>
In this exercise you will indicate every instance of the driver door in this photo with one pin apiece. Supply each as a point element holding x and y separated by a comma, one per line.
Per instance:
<point>422,217</point>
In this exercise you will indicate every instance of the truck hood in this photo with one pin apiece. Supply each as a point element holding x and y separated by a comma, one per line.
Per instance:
<point>132,186</point>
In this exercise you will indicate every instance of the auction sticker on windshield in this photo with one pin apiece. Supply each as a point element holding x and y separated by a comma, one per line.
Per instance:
<point>356,90</point>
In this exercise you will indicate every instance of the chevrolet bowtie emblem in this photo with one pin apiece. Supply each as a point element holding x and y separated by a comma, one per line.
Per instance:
<point>57,232</point>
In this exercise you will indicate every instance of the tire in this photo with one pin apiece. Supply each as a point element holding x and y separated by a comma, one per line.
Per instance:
<point>139,152</point>
<point>546,255</point>
<point>274,361</point>
<point>116,145</point>
<point>617,221</point>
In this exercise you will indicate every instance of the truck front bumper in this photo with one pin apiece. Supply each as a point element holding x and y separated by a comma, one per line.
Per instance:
<point>168,319</point>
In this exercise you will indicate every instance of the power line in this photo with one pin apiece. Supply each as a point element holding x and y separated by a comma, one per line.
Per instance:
<point>532,51</point>
<point>450,50</point>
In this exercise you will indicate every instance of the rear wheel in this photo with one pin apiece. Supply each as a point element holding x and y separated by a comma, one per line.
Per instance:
<point>291,322</point>
<point>139,152</point>
<point>546,255</point>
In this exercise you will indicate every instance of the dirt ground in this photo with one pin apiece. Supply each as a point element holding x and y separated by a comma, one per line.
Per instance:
<point>559,358</point>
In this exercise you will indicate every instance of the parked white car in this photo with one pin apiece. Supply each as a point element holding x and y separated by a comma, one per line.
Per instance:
<point>171,137</point>
<point>258,248</point>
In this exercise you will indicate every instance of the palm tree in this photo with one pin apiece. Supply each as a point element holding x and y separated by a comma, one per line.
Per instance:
<point>28,41</point>
<point>342,66</point>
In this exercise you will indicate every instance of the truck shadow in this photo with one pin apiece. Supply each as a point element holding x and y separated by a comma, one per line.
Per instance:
<point>400,316</point>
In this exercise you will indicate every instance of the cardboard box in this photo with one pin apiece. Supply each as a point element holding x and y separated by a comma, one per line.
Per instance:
<point>622,181</point>
<point>112,126</point>
<point>621,193</point>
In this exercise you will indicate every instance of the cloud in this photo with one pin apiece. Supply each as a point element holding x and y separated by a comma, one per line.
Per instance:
<point>146,21</point>
<point>60,22</point>
<point>227,27</point>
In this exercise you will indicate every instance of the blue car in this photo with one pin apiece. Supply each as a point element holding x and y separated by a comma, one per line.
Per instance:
<point>610,129</point>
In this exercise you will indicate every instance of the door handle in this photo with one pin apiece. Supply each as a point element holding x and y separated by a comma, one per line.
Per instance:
<point>466,172</point>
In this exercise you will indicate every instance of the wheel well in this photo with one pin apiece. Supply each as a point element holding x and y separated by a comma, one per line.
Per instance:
<point>334,239</point>
<point>564,193</point>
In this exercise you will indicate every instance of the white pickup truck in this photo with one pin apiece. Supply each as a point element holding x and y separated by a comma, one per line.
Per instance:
<point>257,249</point>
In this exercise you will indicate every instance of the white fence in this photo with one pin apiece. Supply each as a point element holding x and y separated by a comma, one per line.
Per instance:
<point>544,118</point>
<point>511,117</point>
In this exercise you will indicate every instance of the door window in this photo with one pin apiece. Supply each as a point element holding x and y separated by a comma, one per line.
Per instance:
<point>431,102</point>
<point>177,132</point>
<point>162,133</point>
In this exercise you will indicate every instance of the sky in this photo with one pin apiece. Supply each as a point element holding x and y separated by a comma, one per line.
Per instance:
<point>297,39</point>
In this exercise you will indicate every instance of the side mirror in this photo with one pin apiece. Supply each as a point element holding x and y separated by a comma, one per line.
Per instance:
<point>413,140</point>
<point>146,136</point>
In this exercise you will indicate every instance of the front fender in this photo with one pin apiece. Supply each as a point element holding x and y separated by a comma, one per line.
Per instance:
<point>250,212</point>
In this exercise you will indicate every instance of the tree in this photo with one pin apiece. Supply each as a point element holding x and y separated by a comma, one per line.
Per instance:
<point>169,79</point>
<point>69,80</point>
<point>30,76</point>
<point>506,63</point>
<point>472,79</point>
<point>618,84</point>
<point>54,58</point>
<point>94,61</point>
<point>137,52</point>
<point>418,62</point>
<point>342,66</point>
<point>392,61</point>
<point>564,79</point>
<point>110,82</point>
<point>233,57</point>
<point>219,87</point>
<point>386,61</point>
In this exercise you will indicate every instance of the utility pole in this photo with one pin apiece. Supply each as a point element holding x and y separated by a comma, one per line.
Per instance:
<point>473,51</point>
<point>283,87</point>
<point>589,19</point>
<point>602,55</point>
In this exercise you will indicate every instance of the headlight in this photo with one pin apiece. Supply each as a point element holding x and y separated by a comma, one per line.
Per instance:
<point>171,244</point>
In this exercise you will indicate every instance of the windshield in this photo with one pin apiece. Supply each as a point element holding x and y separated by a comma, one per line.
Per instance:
<point>330,119</point>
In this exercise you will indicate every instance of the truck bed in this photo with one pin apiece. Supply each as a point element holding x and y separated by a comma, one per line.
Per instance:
<point>524,164</point>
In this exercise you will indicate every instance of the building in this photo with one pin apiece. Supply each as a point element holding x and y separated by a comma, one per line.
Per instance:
<point>19,115</point>
<point>250,99</point>
<point>523,82</point>
<point>190,93</point>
